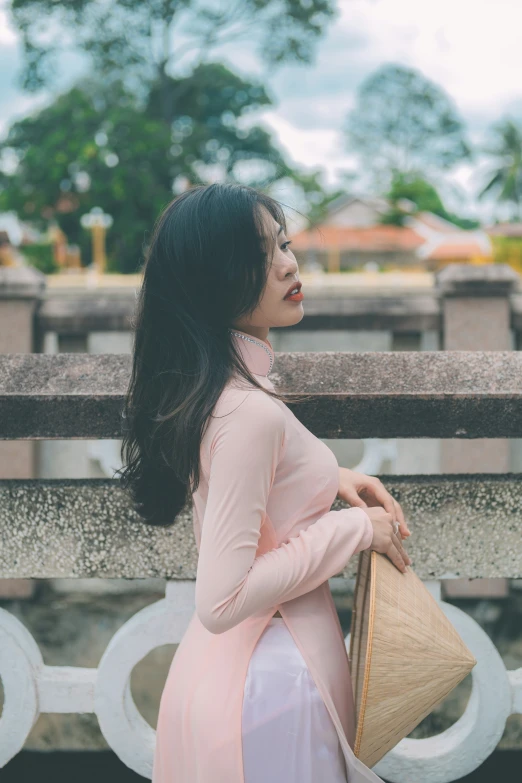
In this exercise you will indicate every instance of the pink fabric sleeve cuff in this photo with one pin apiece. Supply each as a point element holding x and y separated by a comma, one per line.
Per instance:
<point>367,537</point>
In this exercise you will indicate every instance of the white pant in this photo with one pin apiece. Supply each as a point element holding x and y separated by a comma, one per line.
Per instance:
<point>288,735</point>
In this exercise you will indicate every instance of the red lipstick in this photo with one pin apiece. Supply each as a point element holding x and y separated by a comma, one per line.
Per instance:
<point>298,296</point>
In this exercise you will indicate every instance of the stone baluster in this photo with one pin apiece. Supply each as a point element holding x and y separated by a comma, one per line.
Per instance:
<point>21,289</point>
<point>476,316</point>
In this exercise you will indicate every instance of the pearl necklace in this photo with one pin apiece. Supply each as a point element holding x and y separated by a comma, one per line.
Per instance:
<point>256,342</point>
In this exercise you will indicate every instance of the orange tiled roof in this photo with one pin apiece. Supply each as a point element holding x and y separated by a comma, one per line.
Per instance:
<point>454,250</point>
<point>437,223</point>
<point>369,239</point>
<point>505,230</point>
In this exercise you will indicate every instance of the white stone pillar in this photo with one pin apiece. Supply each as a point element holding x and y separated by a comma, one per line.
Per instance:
<point>21,289</point>
<point>476,316</point>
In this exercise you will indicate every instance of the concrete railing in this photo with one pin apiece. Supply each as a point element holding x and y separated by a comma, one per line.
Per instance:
<point>348,306</point>
<point>465,525</point>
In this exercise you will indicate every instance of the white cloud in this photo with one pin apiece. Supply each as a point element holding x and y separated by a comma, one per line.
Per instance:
<point>309,148</point>
<point>471,47</point>
<point>7,34</point>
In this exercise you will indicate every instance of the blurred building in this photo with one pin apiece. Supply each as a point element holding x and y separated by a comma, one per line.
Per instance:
<point>506,239</point>
<point>21,244</point>
<point>509,230</point>
<point>353,234</point>
<point>7,257</point>
<point>19,231</point>
<point>9,254</point>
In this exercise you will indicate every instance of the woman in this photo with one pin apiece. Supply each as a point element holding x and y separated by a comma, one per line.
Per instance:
<point>259,689</point>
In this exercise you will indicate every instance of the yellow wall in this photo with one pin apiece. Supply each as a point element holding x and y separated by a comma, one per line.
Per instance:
<point>508,250</point>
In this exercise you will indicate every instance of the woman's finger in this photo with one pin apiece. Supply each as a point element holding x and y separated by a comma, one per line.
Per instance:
<point>390,505</point>
<point>394,555</point>
<point>399,516</point>
<point>398,544</point>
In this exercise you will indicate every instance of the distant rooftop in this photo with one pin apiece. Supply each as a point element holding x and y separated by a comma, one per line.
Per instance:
<point>505,230</point>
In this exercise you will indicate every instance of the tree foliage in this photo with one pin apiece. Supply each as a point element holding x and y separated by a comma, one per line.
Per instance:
<point>141,42</point>
<point>505,178</point>
<point>76,154</point>
<point>94,147</point>
<point>404,123</point>
<point>125,137</point>
<point>424,196</point>
<point>417,190</point>
<point>87,149</point>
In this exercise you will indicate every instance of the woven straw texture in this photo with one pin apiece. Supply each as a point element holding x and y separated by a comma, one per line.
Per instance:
<point>405,655</point>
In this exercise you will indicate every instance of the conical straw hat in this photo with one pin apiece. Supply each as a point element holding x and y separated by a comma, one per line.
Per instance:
<point>405,655</point>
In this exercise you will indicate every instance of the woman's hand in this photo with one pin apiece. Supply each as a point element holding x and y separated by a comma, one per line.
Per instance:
<point>385,540</point>
<point>357,489</point>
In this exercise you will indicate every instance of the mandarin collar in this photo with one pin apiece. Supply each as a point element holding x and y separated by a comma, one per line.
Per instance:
<point>257,354</point>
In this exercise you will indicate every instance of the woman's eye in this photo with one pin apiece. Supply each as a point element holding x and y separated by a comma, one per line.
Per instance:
<point>285,244</point>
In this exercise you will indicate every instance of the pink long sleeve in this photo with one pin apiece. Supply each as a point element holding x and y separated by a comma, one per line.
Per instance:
<point>231,583</point>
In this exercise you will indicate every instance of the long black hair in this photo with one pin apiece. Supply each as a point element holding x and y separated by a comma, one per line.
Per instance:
<point>205,266</point>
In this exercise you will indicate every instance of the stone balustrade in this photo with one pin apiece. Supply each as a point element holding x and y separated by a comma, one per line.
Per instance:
<point>407,394</point>
<point>465,525</point>
<point>415,303</point>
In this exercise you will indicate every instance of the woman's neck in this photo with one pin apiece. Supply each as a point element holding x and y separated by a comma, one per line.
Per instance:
<point>259,332</point>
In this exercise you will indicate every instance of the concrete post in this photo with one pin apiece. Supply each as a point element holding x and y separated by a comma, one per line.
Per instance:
<point>476,316</point>
<point>21,289</point>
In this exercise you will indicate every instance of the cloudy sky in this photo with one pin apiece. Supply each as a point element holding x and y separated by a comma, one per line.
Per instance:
<point>472,48</point>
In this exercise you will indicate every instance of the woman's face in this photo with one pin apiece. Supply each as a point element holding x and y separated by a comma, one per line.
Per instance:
<point>283,274</point>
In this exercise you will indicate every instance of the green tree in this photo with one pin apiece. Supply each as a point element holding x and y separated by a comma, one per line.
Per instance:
<point>419,191</point>
<point>424,196</point>
<point>123,139</point>
<point>505,178</point>
<point>94,147</point>
<point>403,123</point>
<point>143,42</point>
<point>78,153</point>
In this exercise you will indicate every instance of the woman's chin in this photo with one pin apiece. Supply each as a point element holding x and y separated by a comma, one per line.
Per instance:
<point>293,315</point>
